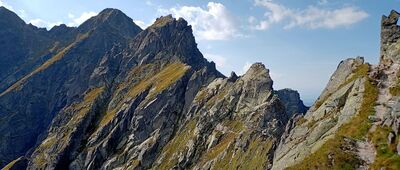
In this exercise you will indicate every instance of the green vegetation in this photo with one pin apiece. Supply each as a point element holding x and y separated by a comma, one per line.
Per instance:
<point>361,71</point>
<point>134,164</point>
<point>160,22</point>
<point>156,83</point>
<point>255,157</point>
<point>235,125</point>
<point>222,145</point>
<point>386,153</point>
<point>225,141</point>
<point>45,65</point>
<point>83,107</point>
<point>301,121</point>
<point>395,90</point>
<point>80,110</point>
<point>219,96</point>
<point>177,145</point>
<point>201,95</point>
<point>40,159</point>
<point>357,128</point>
<point>9,165</point>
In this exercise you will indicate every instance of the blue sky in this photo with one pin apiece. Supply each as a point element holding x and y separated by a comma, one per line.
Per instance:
<point>300,41</point>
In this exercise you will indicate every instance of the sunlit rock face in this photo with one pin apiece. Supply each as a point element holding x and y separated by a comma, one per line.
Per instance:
<point>109,95</point>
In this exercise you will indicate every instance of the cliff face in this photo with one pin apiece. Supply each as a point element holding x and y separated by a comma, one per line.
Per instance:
<point>292,102</point>
<point>108,95</point>
<point>232,123</point>
<point>30,103</point>
<point>355,122</point>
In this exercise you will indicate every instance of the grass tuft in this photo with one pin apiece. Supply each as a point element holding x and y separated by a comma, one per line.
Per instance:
<point>177,145</point>
<point>156,83</point>
<point>357,128</point>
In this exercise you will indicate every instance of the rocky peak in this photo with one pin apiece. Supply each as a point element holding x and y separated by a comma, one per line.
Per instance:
<point>257,73</point>
<point>61,31</point>
<point>172,35</point>
<point>111,20</point>
<point>391,19</point>
<point>163,20</point>
<point>233,77</point>
<point>110,14</point>
<point>9,19</point>
<point>390,33</point>
<point>169,22</point>
<point>292,102</point>
<point>343,71</point>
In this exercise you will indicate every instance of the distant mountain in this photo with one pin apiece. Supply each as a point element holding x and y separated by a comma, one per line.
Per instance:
<point>109,95</point>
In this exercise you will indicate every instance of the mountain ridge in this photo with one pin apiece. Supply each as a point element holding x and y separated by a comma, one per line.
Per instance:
<point>125,98</point>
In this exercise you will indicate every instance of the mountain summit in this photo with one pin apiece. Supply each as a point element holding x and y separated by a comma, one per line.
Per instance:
<point>109,95</point>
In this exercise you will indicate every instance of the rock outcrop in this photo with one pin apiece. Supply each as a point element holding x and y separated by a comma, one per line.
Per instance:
<point>390,33</point>
<point>230,124</point>
<point>28,106</point>
<point>355,122</point>
<point>292,102</point>
<point>109,95</point>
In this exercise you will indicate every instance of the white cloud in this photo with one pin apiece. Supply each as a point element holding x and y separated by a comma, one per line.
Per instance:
<point>219,61</point>
<point>212,23</point>
<point>149,3</point>
<point>252,19</point>
<point>312,17</point>
<point>276,76</point>
<point>322,2</point>
<point>246,67</point>
<point>42,23</point>
<point>141,24</point>
<point>9,7</point>
<point>71,16</point>
<point>76,21</point>
<point>22,13</point>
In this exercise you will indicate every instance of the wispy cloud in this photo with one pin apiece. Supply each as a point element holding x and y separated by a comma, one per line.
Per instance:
<point>142,24</point>
<point>6,5</point>
<point>212,23</point>
<point>71,16</point>
<point>76,21</point>
<point>44,24</point>
<point>219,60</point>
<point>245,67</point>
<point>323,2</point>
<point>313,17</point>
<point>149,3</point>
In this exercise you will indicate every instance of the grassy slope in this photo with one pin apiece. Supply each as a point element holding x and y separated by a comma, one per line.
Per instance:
<point>357,128</point>
<point>157,83</point>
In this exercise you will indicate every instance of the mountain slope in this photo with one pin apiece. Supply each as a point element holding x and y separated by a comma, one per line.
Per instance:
<point>355,122</point>
<point>28,106</point>
<point>114,96</point>
<point>144,103</point>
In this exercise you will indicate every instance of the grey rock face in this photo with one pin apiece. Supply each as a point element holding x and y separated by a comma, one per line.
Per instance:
<point>316,127</point>
<point>390,33</point>
<point>20,45</point>
<point>340,103</point>
<point>121,106</point>
<point>112,96</point>
<point>292,102</point>
<point>343,72</point>
<point>228,119</point>
<point>28,106</point>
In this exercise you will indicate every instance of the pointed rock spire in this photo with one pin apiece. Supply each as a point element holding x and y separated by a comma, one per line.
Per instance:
<point>233,77</point>
<point>111,20</point>
<point>390,33</point>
